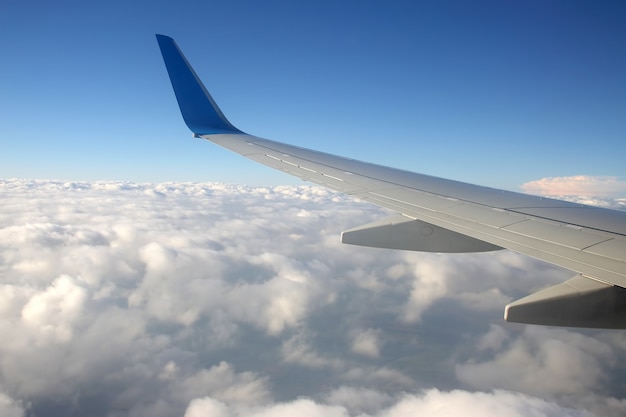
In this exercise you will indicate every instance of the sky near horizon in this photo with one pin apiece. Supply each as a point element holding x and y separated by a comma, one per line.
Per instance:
<point>490,92</point>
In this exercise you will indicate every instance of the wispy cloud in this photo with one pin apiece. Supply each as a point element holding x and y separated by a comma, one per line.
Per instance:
<point>578,185</point>
<point>222,300</point>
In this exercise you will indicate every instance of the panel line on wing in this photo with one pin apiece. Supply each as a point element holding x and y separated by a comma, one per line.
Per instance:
<point>550,232</point>
<point>613,248</point>
<point>335,178</point>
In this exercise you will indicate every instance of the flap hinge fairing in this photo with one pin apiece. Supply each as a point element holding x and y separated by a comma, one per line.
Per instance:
<point>401,232</point>
<point>578,302</point>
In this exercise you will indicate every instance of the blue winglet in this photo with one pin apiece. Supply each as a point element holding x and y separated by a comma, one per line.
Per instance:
<point>198,108</point>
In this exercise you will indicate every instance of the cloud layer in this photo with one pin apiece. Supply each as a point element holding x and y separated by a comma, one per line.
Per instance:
<point>123,299</point>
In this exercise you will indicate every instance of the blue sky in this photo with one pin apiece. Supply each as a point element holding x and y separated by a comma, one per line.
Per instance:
<point>492,92</point>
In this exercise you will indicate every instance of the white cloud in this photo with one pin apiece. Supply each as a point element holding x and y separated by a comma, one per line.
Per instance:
<point>367,343</point>
<point>578,185</point>
<point>52,312</point>
<point>432,402</point>
<point>229,300</point>
<point>375,376</point>
<point>10,407</point>
<point>207,407</point>
<point>221,382</point>
<point>429,285</point>
<point>540,361</point>
<point>299,350</point>
<point>461,403</point>
<point>494,339</point>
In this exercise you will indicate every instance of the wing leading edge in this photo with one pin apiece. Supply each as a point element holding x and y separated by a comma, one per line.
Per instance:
<point>441,215</point>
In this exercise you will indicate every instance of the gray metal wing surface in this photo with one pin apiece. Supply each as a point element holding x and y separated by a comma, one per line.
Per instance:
<point>441,215</point>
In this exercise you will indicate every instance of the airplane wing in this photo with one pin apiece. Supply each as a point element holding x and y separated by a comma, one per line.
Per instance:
<point>440,215</point>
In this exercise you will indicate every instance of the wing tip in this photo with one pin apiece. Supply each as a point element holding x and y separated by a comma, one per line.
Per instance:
<point>200,112</point>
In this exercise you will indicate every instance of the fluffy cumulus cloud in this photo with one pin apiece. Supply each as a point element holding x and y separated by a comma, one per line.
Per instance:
<point>432,403</point>
<point>123,299</point>
<point>577,185</point>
